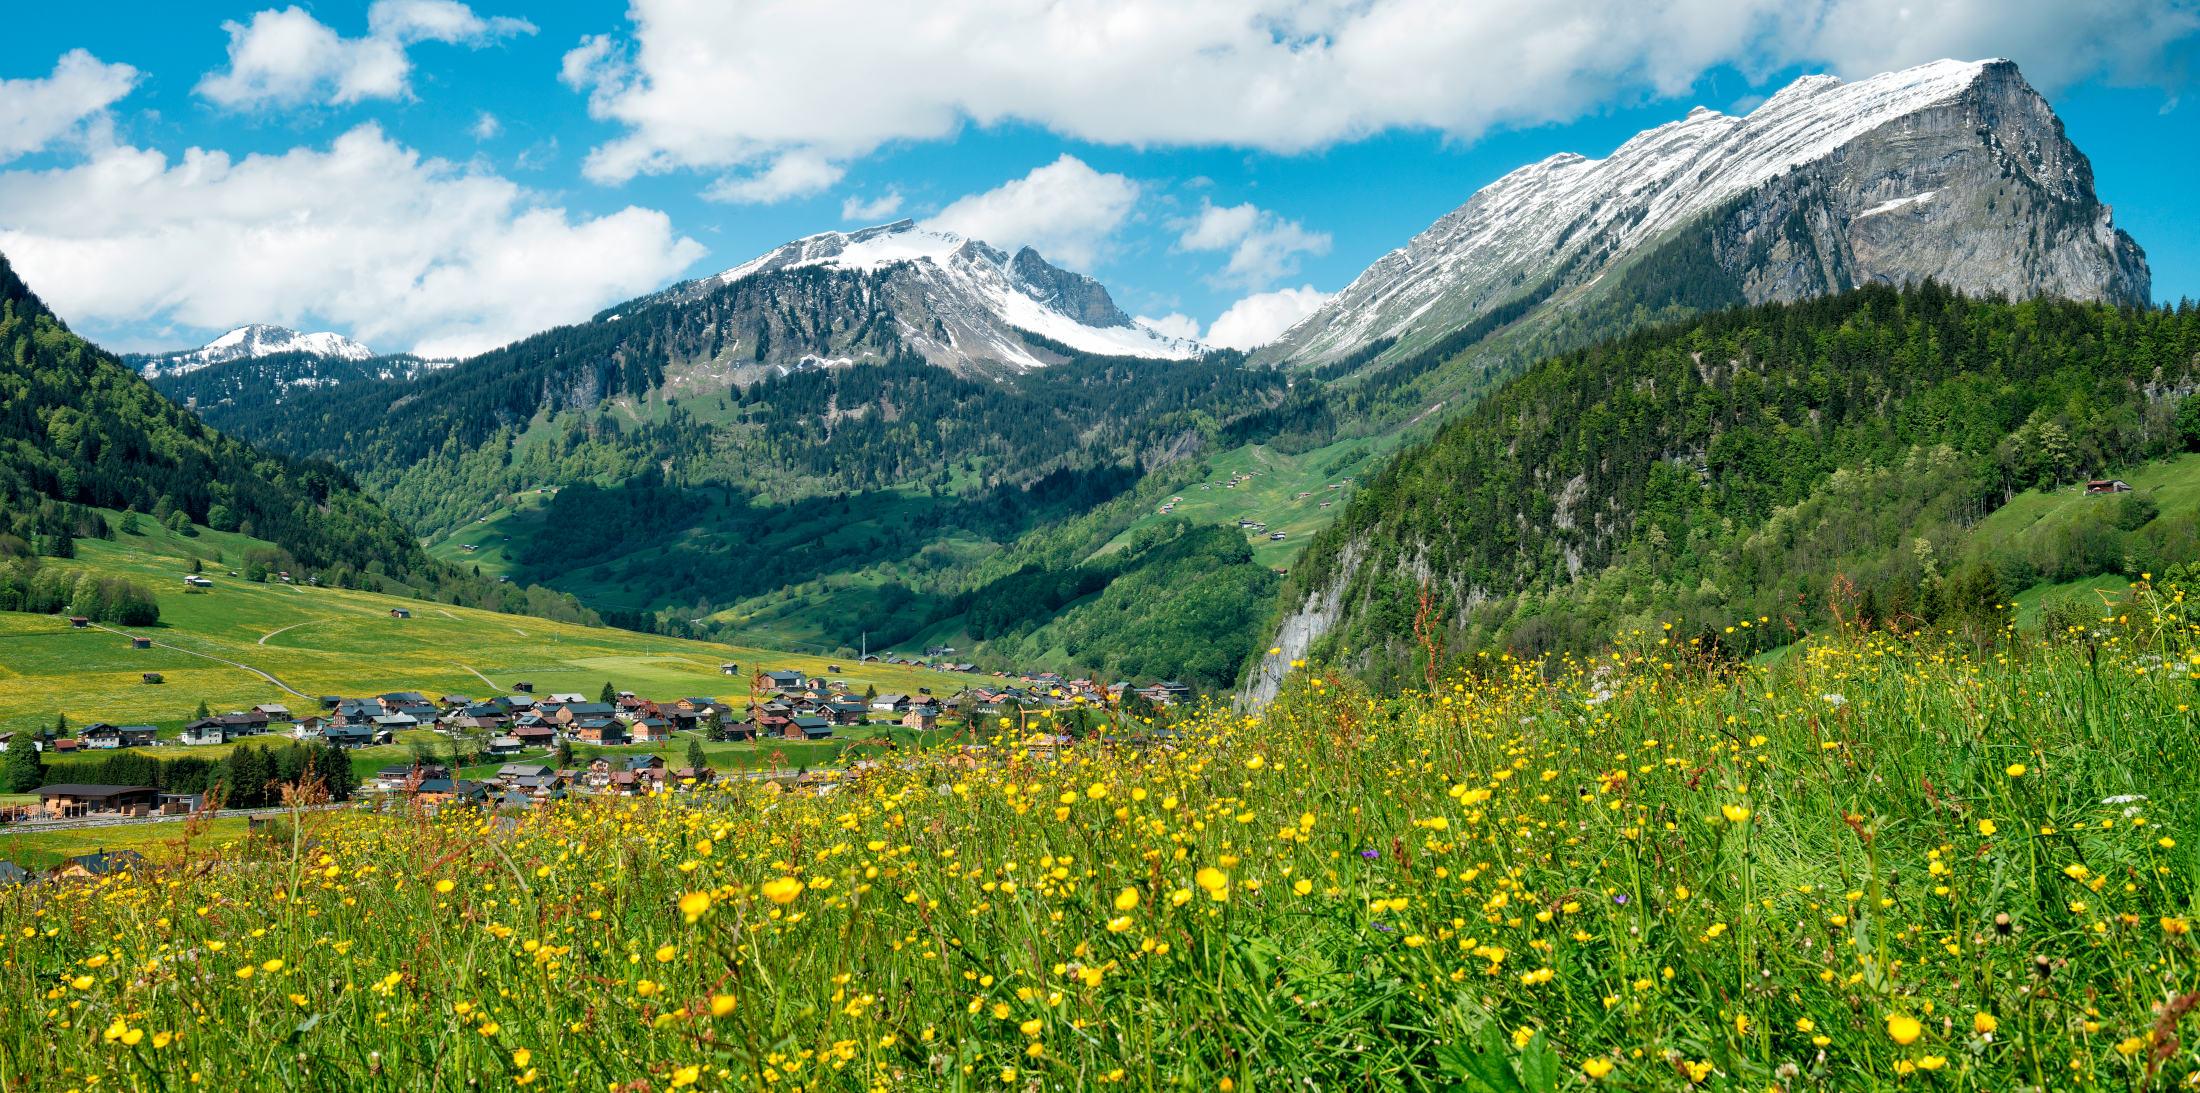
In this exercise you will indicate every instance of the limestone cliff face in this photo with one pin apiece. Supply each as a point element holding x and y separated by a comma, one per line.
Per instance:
<point>1957,171</point>
<point>1983,192</point>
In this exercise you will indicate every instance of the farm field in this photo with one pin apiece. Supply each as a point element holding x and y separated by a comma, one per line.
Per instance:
<point>1877,862</point>
<point>330,641</point>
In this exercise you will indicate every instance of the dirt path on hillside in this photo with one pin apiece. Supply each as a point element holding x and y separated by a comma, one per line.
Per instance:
<point>209,656</point>
<point>292,626</point>
<point>485,679</point>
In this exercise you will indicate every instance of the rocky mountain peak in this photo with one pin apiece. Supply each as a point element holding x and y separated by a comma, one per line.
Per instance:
<point>1074,294</point>
<point>248,342</point>
<point>1954,170</point>
<point>961,303</point>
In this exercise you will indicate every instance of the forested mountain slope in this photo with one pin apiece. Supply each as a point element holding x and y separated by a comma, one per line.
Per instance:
<point>625,461</point>
<point>602,400</point>
<point>80,431</point>
<point>218,388</point>
<point>78,427</point>
<point>1777,462</point>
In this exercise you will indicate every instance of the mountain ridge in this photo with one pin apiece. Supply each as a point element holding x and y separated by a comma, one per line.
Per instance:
<point>869,415</point>
<point>248,342</point>
<point>981,302</point>
<point>1795,178</point>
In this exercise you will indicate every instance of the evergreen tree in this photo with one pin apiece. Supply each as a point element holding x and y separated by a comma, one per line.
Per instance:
<point>201,713</point>
<point>250,771</point>
<point>332,768</point>
<point>695,756</point>
<point>290,766</point>
<point>564,754</point>
<point>608,696</point>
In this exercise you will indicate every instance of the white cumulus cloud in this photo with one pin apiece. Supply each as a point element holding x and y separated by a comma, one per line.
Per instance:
<point>287,57</point>
<point>1263,247</point>
<point>400,250</point>
<point>1067,210</point>
<point>859,210</point>
<point>1260,318</point>
<point>796,174</point>
<point>36,111</point>
<point>1174,324</point>
<point>735,87</point>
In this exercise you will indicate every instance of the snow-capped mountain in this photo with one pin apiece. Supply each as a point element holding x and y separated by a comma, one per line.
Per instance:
<point>1956,171</point>
<point>956,302</point>
<point>246,343</point>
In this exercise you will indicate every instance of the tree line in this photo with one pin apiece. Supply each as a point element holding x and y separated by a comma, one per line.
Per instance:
<point>249,776</point>
<point>27,585</point>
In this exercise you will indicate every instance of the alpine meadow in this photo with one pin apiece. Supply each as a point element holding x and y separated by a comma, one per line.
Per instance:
<point>1002,545</point>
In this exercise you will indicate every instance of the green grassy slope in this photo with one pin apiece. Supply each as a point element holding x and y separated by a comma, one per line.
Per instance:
<point>497,537</point>
<point>2059,535</point>
<point>332,641</point>
<point>1269,488</point>
<point>2038,516</point>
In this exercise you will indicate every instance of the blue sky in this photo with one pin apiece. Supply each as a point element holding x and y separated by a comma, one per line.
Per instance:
<point>429,175</point>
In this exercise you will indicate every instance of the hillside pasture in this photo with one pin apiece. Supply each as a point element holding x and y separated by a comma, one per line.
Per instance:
<point>328,641</point>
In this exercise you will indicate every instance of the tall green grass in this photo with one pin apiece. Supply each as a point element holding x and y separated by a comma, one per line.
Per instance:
<point>1883,862</point>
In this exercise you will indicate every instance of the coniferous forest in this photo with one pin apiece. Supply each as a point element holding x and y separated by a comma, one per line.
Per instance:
<point>1779,463</point>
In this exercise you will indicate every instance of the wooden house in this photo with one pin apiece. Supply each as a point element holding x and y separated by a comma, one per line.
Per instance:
<point>86,799</point>
<point>206,730</point>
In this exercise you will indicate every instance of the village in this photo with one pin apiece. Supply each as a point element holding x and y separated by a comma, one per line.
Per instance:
<point>529,750</point>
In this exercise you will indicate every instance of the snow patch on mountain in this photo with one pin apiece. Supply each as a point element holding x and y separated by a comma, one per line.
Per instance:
<point>248,342</point>
<point>1897,203</point>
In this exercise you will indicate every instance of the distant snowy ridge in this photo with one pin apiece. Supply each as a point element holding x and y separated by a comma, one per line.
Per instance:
<point>246,343</point>
<point>964,301</point>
